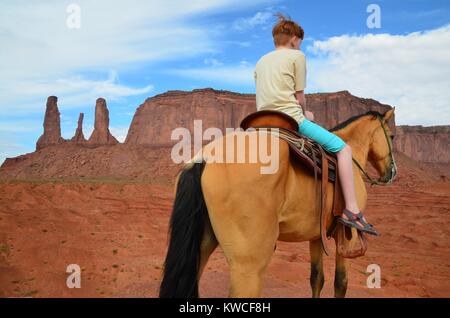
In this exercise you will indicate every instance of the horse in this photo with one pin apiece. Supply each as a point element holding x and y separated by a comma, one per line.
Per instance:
<point>245,212</point>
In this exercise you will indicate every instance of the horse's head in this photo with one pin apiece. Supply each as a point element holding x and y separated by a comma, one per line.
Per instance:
<point>372,127</point>
<point>380,153</point>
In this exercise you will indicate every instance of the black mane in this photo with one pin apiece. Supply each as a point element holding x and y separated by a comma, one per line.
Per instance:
<point>373,113</point>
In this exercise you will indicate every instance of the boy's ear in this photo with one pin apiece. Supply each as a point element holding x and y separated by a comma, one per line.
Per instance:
<point>292,42</point>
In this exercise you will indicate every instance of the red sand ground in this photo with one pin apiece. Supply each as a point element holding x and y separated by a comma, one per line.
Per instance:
<point>117,233</point>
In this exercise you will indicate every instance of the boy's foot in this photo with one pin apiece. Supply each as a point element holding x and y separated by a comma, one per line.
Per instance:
<point>357,221</point>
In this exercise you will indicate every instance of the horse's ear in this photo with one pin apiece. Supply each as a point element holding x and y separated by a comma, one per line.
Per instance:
<point>387,115</point>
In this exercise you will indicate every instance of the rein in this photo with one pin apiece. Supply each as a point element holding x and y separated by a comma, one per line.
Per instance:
<point>384,180</point>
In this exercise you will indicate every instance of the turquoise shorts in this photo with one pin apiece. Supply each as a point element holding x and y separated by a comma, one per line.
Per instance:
<point>328,140</point>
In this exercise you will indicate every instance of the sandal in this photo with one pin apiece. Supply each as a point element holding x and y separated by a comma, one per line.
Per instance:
<point>354,220</point>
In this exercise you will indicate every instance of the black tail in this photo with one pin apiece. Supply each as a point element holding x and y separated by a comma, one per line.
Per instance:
<point>187,225</point>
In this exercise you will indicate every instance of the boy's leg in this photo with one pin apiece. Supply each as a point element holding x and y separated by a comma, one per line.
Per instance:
<point>328,140</point>
<point>334,143</point>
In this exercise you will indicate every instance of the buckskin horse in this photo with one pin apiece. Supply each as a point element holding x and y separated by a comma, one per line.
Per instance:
<point>246,212</point>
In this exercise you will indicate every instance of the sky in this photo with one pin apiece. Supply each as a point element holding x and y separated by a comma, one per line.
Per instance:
<point>127,51</point>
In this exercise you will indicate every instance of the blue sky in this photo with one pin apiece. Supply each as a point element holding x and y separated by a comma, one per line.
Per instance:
<point>126,51</point>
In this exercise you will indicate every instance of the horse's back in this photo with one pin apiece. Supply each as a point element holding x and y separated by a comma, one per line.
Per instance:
<point>236,191</point>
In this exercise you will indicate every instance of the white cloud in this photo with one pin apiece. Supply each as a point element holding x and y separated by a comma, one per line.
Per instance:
<point>119,132</point>
<point>240,74</point>
<point>409,71</point>
<point>259,19</point>
<point>35,36</point>
<point>29,96</point>
<point>238,43</point>
<point>212,62</point>
<point>10,147</point>
<point>40,54</point>
<point>20,126</point>
<point>87,130</point>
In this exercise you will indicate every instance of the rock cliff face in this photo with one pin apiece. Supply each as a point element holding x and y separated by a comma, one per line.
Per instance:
<point>79,136</point>
<point>52,125</point>
<point>146,151</point>
<point>158,116</point>
<point>101,134</point>
<point>427,144</point>
<point>331,109</point>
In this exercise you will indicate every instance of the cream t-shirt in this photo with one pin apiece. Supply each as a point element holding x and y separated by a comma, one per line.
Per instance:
<point>278,75</point>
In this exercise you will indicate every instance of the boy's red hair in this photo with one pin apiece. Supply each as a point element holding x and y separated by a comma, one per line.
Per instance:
<point>285,29</point>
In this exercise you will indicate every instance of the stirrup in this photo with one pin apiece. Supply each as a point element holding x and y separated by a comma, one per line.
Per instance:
<point>353,220</point>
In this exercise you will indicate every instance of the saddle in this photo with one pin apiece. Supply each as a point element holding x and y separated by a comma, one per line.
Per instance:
<point>319,161</point>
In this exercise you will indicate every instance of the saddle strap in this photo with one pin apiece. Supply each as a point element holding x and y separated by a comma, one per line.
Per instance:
<point>323,203</point>
<point>317,189</point>
<point>336,208</point>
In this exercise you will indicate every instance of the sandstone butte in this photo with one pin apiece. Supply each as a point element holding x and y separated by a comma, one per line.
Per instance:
<point>79,136</point>
<point>52,125</point>
<point>146,151</point>
<point>101,134</point>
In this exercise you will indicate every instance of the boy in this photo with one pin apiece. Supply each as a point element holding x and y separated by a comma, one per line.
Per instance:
<point>280,78</point>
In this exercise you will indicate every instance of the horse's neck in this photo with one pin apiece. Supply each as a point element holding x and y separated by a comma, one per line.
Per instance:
<point>357,136</point>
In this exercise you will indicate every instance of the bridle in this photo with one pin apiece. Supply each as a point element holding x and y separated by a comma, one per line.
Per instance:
<point>387,178</point>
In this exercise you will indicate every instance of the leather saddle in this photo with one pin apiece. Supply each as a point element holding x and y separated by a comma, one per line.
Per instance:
<point>311,155</point>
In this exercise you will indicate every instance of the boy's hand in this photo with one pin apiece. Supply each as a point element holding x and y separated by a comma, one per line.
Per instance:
<point>309,115</point>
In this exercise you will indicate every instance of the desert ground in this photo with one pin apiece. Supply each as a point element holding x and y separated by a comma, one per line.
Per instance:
<point>116,231</point>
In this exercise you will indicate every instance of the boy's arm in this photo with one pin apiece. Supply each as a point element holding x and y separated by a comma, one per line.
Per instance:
<point>300,95</point>
<point>300,79</point>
